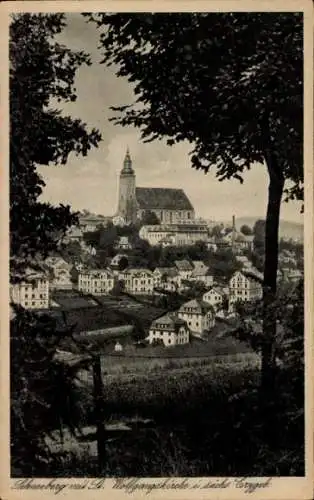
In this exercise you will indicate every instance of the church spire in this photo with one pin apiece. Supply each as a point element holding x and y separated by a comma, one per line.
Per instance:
<point>127,164</point>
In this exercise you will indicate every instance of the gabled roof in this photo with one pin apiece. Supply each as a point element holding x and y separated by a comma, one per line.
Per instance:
<point>215,289</point>
<point>183,265</point>
<point>198,305</point>
<point>162,198</point>
<point>253,274</point>
<point>170,271</point>
<point>170,321</point>
<point>200,272</point>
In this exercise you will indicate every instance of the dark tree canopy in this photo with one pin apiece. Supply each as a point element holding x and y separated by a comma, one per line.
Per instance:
<point>228,83</point>
<point>231,85</point>
<point>247,230</point>
<point>42,73</point>
<point>150,218</point>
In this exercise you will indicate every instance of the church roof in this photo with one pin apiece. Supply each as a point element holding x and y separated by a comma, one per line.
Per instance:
<point>162,198</point>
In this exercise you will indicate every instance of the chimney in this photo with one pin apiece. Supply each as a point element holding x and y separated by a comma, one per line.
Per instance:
<point>233,230</point>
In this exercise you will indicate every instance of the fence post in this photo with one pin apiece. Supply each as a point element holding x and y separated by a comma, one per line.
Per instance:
<point>99,415</point>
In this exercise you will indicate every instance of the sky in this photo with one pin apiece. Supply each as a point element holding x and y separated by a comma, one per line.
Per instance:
<point>91,182</point>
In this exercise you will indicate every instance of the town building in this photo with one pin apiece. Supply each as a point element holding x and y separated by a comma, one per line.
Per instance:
<point>60,273</point>
<point>123,243</point>
<point>181,233</point>
<point>164,275</point>
<point>96,281</point>
<point>169,329</point>
<point>169,205</point>
<point>201,273</point>
<point>245,286</point>
<point>32,292</point>
<point>185,269</point>
<point>139,281</point>
<point>199,316</point>
<point>91,222</point>
<point>214,297</point>
<point>74,233</point>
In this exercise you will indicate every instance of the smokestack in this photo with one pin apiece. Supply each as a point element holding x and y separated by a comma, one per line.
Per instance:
<point>233,230</point>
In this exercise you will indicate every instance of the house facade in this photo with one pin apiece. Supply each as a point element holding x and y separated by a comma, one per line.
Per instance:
<point>96,281</point>
<point>32,292</point>
<point>180,233</point>
<point>214,297</point>
<point>139,281</point>
<point>198,315</point>
<point>60,273</point>
<point>245,286</point>
<point>169,329</point>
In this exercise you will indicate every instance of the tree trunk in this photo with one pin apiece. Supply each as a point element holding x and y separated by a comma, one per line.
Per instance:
<point>267,388</point>
<point>99,416</point>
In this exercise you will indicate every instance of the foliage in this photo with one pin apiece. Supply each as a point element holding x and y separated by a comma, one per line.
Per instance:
<point>246,230</point>
<point>216,231</point>
<point>149,218</point>
<point>42,72</point>
<point>37,403</point>
<point>235,112</point>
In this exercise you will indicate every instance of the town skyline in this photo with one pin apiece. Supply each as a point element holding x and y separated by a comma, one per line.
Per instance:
<point>92,183</point>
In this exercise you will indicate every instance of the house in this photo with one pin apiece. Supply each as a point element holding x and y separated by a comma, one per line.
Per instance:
<point>214,297</point>
<point>118,347</point>
<point>32,291</point>
<point>60,273</point>
<point>246,263</point>
<point>238,241</point>
<point>91,222</point>
<point>164,274</point>
<point>201,273</point>
<point>123,243</point>
<point>199,316</point>
<point>184,268</point>
<point>96,281</point>
<point>180,233</point>
<point>170,329</point>
<point>245,286</point>
<point>139,281</point>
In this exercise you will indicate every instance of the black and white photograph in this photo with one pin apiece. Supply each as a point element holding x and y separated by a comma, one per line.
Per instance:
<point>157,246</point>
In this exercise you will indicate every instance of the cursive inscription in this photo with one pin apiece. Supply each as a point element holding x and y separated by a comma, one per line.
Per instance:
<point>133,485</point>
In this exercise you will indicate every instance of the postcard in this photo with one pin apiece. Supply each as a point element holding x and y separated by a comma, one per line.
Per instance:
<point>157,249</point>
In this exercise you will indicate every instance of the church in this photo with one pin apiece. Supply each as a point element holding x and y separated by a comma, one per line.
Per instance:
<point>170,205</point>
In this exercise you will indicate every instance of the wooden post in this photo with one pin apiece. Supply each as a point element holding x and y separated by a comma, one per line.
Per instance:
<point>99,415</point>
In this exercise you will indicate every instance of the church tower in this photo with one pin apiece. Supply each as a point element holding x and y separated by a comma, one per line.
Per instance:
<point>127,197</point>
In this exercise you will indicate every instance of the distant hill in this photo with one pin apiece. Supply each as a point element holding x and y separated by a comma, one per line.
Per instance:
<point>287,229</point>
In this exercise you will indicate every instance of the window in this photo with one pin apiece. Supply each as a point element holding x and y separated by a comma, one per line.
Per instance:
<point>169,341</point>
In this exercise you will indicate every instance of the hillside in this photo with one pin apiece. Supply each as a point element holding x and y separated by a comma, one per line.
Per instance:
<point>287,229</point>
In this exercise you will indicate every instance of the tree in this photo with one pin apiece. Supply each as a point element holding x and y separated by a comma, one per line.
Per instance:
<point>42,73</point>
<point>149,218</point>
<point>246,230</point>
<point>216,231</point>
<point>231,84</point>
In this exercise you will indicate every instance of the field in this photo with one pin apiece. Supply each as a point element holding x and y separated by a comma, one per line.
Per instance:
<point>186,422</point>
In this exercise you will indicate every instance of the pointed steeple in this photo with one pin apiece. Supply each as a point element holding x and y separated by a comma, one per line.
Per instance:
<point>127,164</point>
